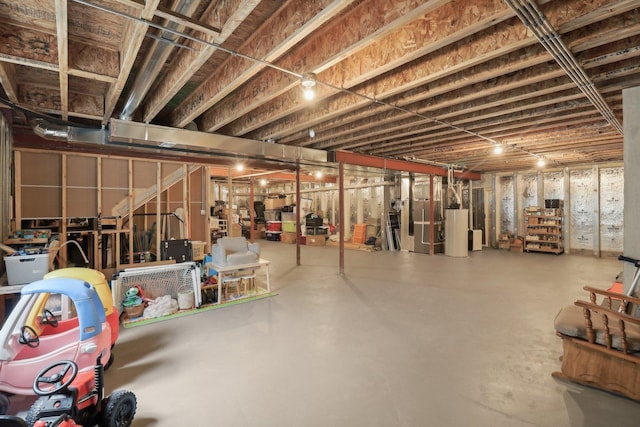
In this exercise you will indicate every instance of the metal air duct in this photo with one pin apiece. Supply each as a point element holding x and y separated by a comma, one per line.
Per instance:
<point>147,136</point>
<point>54,132</point>
<point>161,48</point>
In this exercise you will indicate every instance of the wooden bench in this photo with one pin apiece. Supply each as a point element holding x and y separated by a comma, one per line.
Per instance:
<point>601,342</point>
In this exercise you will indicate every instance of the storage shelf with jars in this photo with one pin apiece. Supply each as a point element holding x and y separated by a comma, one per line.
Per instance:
<point>544,230</point>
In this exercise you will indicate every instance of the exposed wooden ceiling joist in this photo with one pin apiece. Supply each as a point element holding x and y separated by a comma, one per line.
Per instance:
<point>441,80</point>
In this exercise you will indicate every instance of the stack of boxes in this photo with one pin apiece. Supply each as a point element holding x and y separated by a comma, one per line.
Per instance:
<point>288,227</point>
<point>272,215</point>
<point>316,233</point>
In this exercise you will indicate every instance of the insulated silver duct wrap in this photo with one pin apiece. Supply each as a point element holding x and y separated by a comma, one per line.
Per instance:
<point>582,208</point>
<point>611,209</point>
<point>505,192</point>
<point>553,186</point>
<point>527,196</point>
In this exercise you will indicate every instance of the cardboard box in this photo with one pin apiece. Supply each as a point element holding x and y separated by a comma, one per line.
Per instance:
<point>272,215</point>
<point>288,216</point>
<point>22,269</point>
<point>289,226</point>
<point>197,250</point>
<point>316,241</point>
<point>235,230</point>
<point>270,204</point>
<point>288,237</point>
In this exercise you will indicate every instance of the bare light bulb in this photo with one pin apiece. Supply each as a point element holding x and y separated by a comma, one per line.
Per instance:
<point>308,93</point>
<point>498,149</point>
<point>541,163</point>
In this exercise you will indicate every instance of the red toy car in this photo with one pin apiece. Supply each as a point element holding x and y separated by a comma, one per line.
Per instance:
<point>73,398</point>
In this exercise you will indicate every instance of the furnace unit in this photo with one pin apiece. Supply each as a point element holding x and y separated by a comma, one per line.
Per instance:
<point>422,219</point>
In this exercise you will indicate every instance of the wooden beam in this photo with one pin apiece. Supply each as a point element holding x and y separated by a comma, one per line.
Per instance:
<point>401,46</point>
<point>281,32</point>
<point>8,81</point>
<point>63,56</point>
<point>189,62</point>
<point>495,95</point>
<point>135,32</point>
<point>172,16</point>
<point>341,38</point>
<point>271,175</point>
<point>501,40</point>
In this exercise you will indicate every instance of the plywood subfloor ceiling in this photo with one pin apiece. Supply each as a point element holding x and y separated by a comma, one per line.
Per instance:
<point>442,81</point>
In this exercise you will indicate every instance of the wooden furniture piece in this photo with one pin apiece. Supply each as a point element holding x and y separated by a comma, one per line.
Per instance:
<point>236,271</point>
<point>601,343</point>
<point>544,231</point>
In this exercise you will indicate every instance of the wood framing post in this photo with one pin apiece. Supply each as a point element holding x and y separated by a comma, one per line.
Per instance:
<point>186,196</point>
<point>63,221</point>
<point>342,215</point>
<point>99,248</point>
<point>432,229</point>
<point>17,190</point>
<point>298,211</point>
<point>595,184</point>
<point>159,219</point>
<point>130,201</point>
<point>251,213</point>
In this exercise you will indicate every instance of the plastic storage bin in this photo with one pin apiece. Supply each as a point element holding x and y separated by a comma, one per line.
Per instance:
<point>22,269</point>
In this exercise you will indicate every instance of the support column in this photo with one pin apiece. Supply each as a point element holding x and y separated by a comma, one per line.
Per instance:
<point>298,212</point>
<point>631,111</point>
<point>342,215</point>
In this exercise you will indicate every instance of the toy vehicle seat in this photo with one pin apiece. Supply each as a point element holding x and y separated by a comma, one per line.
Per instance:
<point>12,421</point>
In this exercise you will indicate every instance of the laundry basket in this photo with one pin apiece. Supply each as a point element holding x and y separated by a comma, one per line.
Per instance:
<point>185,297</point>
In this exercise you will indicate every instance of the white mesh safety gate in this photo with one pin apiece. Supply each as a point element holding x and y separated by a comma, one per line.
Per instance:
<point>157,281</point>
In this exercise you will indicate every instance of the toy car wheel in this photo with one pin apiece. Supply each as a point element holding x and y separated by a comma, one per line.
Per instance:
<point>48,382</point>
<point>29,337</point>
<point>48,318</point>
<point>4,403</point>
<point>35,410</point>
<point>119,409</point>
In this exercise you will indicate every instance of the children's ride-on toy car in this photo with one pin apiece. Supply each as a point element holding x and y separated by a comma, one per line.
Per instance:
<point>30,342</point>
<point>71,398</point>
<point>96,279</point>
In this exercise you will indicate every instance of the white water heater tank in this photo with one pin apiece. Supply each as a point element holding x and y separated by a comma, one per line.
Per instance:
<point>456,232</point>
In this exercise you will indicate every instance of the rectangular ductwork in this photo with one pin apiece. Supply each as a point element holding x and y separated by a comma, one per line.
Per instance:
<point>128,133</point>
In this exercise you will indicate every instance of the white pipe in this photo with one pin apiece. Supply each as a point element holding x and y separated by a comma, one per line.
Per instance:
<point>534,19</point>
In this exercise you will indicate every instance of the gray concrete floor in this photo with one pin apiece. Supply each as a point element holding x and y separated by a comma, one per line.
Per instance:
<point>401,339</point>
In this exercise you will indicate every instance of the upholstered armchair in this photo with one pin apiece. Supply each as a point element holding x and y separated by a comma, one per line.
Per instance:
<point>234,251</point>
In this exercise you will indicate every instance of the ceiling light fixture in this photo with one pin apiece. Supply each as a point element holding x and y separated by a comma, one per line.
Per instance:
<point>318,174</point>
<point>498,149</point>
<point>308,80</point>
<point>541,162</point>
<point>263,182</point>
<point>239,167</point>
<point>308,83</point>
<point>312,133</point>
